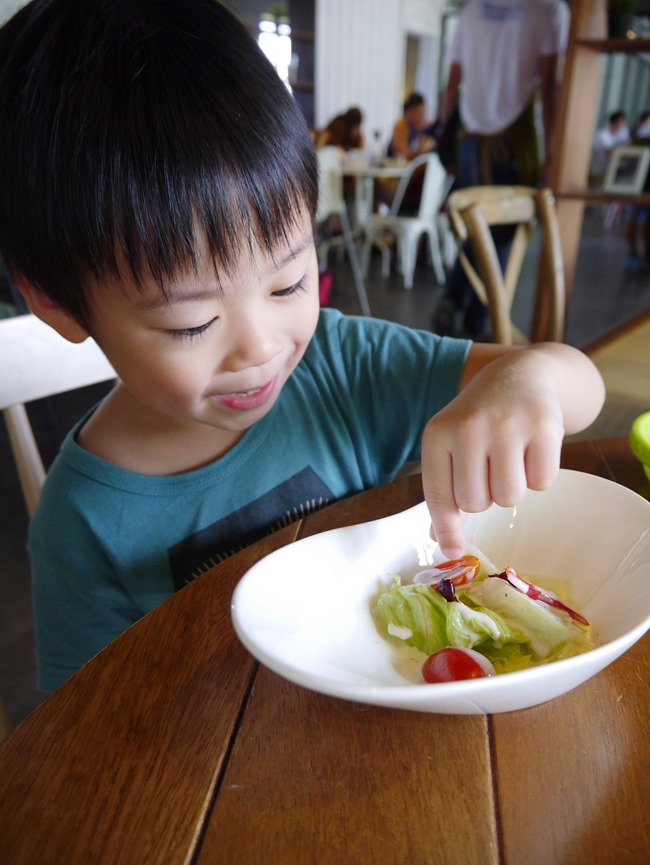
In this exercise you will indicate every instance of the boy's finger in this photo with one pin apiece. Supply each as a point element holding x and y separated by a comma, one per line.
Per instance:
<point>446,518</point>
<point>450,537</point>
<point>542,464</point>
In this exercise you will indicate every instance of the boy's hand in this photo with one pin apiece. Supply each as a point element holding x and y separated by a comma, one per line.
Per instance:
<point>503,433</point>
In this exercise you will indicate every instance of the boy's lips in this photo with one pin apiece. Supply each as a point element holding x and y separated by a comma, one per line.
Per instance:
<point>247,400</point>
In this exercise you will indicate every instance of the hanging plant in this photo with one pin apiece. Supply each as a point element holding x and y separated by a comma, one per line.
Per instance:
<point>278,10</point>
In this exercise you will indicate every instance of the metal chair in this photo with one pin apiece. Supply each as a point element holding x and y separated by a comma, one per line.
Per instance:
<point>331,205</point>
<point>471,212</point>
<point>408,230</point>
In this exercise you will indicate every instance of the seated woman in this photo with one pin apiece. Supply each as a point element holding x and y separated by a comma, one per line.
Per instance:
<point>343,131</point>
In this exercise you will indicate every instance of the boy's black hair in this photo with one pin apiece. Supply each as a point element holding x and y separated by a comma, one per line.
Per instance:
<point>137,132</point>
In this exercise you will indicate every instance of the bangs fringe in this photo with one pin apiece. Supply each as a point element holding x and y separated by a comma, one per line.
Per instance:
<point>162,132</point>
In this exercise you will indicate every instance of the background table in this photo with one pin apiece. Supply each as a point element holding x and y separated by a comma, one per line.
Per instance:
<point>365,176</point>
<point>174,746</point>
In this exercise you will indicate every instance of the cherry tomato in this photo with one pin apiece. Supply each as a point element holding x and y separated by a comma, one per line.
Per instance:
<point>453,664</point>
<point>460,571</point>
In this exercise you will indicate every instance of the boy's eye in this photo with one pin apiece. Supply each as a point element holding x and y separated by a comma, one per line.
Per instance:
<point>299,286</point>
<point>190,332</point>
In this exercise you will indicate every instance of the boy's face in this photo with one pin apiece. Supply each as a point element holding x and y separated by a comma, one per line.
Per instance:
<point>219,353</point>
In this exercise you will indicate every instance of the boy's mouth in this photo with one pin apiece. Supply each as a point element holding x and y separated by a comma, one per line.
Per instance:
<point>248,399</point>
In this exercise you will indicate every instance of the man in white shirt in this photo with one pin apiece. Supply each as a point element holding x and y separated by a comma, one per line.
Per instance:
<point>502,53</point>
<point>615,134</point>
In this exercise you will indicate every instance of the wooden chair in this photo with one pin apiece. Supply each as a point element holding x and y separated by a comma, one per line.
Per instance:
<point>36,362</point>
<point>471,213</point>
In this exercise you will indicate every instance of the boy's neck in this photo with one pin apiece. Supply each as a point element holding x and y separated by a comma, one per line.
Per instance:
<point>123,434</point>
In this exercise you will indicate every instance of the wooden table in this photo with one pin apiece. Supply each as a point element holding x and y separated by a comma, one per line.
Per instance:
<point>174,746</point>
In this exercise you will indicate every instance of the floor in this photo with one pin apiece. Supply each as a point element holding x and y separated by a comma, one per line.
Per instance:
<point>625,363</point>
<point>604,297</point>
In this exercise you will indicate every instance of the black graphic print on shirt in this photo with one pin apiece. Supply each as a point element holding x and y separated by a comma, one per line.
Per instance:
<point>301,494</point>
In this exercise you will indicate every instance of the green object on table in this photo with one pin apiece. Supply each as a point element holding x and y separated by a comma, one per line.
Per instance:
<point>640,441</point>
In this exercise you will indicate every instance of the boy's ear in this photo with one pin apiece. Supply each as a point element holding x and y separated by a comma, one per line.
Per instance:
<point>49,312</point>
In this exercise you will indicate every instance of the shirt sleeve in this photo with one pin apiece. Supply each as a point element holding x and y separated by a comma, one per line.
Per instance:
<point>555,35</point>
<point>395,379</point>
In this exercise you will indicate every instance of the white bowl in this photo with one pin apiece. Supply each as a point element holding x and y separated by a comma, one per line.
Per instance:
<point>305,610</point>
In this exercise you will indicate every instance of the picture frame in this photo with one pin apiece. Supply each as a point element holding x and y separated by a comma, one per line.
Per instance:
<point>627,170</point>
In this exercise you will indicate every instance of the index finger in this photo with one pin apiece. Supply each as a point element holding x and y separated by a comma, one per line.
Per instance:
<point>446,517</point>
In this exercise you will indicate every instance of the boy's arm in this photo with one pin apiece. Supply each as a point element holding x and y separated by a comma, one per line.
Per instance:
<point>503,432</point>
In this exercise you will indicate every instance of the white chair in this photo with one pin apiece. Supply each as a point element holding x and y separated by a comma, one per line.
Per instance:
<point>331,205</point>
<point>36,363</point>
<point>408,230</point>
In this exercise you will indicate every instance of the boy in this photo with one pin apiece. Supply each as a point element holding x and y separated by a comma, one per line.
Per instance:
<point>158,188</point>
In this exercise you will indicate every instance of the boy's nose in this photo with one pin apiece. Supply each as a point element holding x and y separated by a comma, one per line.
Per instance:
<point>252,341</point>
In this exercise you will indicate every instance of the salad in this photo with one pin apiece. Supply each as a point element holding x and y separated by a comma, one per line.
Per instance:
<point>470,619</point>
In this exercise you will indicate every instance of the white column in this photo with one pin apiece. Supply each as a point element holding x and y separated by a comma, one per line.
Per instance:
<point>359,60</point>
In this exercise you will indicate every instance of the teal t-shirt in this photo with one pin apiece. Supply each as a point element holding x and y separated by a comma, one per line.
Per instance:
<point>107,545</point>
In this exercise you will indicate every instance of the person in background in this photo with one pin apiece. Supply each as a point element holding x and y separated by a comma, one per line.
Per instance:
<point>637,221</point>
<point>178,233</point>
<point>637,218</point>
<point>615,134</point>
<point>641,128</point>
<point>501,55</point>
<point>413,133</point>
<point>343,131</point>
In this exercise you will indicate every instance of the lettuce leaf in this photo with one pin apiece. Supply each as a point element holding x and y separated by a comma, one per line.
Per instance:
<point>548,631</point>
<point>434,622</point>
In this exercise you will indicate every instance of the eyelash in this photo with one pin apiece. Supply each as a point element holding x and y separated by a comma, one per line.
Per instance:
<point>190,333</point>
<point>296,288</point>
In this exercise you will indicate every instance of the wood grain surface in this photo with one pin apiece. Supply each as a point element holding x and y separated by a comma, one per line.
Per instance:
<point>174,746</point>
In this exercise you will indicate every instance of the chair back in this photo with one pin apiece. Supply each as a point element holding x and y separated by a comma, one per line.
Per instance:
<point>471,213</point>
<point>330,183</point>
<point>436,183</point>
<point>436,186</point>
<point>38,363</point>
<point>409,229</point>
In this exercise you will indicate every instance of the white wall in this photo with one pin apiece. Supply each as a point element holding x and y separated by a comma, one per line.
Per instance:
<point>8,7</point>
<point>360,54</point>
<point>360,58</point>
